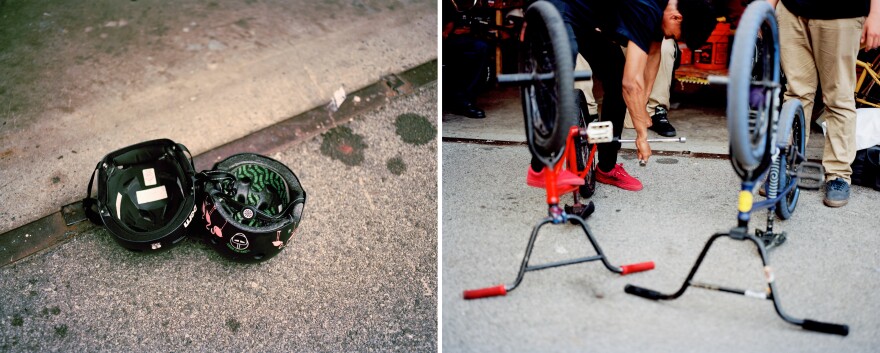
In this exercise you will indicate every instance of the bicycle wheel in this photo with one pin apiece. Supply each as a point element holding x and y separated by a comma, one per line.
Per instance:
<point>791,133</point>
<point>584,148</point>
<point>548,104</point>
<point>753,92</point>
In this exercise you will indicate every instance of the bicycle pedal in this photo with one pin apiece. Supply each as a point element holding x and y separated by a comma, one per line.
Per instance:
<point>599,132</point>
<point>810,175</point>
<point>580,210</point>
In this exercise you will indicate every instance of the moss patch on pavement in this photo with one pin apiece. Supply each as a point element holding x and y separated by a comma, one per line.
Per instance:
<point>396,165</point>
<point>414,129</point>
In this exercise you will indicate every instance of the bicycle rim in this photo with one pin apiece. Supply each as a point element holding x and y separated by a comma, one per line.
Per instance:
<point>752,94</point>
<point>794,135</point>
<point>584,148</point>
<point>548,105</point>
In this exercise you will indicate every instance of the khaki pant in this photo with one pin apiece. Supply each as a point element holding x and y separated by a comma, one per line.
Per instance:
<point>823,52</point>
<point>586,86</point>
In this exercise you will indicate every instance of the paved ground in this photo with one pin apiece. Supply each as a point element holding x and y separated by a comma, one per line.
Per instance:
<point>360,277</point>
<point>80,79</point>
<point>828,270</point>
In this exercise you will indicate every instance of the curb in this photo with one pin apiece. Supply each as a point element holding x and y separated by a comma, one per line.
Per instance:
<point>59,227</point>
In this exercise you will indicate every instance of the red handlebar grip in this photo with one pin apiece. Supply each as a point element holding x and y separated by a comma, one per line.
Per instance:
<point>639,267</point>
<point>485,292</point>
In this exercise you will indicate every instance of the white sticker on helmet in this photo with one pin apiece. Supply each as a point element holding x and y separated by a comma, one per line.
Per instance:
<point>118,205</point>
<point>150,195</point>
<point>149,177</point>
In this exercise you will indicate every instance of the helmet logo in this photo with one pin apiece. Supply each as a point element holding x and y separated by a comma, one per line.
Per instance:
<point>238,243</point>
<point>248,213</point>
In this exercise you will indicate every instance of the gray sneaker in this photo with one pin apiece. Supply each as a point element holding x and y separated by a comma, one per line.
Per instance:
<point>836,193</point>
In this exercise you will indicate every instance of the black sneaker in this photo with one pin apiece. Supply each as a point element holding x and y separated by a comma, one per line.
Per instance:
<point>836,193</point>
<point>661,123</point>
<point>469,110</point>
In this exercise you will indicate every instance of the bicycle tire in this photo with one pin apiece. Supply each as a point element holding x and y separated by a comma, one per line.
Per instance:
<point>548,106</point>
<point>749,145</point>
<point>791,130</point>
<point>583,147</point>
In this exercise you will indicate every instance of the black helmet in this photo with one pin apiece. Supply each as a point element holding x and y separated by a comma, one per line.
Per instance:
<point>146,196</point>
<point>251,206</point>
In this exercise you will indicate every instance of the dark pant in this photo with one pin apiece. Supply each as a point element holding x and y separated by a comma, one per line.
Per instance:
<point>606,60</point>
<point>465,60</point>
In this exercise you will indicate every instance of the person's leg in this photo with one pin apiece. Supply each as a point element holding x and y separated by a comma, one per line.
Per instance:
<point>658,100</point>
<point>836,46</point>
<point>663,83</point>
<point>607,62</point>
<point>586,86</point>
<point>796,57</point>
<point>478,54</point>
<point>464,60</point>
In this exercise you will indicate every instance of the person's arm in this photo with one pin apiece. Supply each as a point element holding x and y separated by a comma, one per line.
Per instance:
<point>635,94</point>
<point>871,29</point>
<point>773,3</point>
<point>652,68</point>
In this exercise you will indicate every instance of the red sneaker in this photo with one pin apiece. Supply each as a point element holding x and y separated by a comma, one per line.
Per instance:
<point>564,180</point>
<point>619,178</point>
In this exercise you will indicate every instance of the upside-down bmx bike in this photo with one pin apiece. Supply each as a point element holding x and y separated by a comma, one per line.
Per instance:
<point>766,143</point>
<point>558,135</point>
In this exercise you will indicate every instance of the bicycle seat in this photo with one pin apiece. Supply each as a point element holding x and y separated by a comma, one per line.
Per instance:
<point>566,181</point>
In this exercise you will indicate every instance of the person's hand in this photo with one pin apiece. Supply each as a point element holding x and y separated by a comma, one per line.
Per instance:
<point>644,150</point>
<point>871,31</point>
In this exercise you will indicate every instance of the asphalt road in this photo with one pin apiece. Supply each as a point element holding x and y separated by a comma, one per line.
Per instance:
<point>829,270</point>
<point>361,275</point>
<point>75,84</point>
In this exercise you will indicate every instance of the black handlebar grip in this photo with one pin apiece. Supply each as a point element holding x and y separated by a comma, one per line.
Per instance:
<point>642,292</point>
<point>825,327</point>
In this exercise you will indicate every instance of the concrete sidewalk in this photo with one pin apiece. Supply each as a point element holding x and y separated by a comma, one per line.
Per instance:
<point>81,79</point>
<point>361,275</point>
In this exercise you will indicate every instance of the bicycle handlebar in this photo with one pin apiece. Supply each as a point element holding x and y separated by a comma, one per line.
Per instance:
<point>825,327</point>
<point>639,267</point>
<point>718,80</point>
<point>642,292</point>
<point>495,291</point>
<point>583,75</point>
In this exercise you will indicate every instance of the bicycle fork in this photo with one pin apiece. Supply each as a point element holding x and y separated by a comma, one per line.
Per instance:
<point>768,237</point>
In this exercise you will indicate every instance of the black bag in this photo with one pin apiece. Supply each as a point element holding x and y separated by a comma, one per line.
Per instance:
<point>866,168</point>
